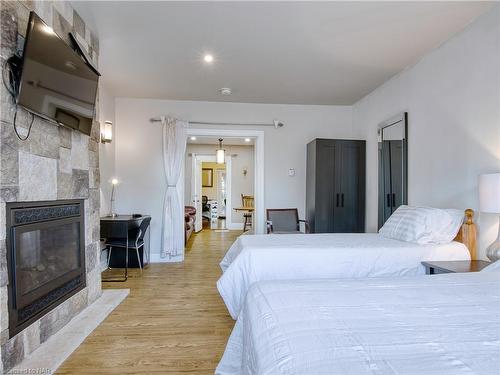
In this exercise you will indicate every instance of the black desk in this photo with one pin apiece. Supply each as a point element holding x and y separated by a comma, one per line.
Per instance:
<point>119,227</point>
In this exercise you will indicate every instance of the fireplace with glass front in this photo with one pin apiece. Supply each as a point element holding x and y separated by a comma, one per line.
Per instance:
<point>45,257</point>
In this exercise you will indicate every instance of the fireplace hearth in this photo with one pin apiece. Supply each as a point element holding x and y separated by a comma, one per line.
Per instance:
<point>45,257</point>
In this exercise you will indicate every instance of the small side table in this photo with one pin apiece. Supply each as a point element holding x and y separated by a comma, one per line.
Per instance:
<point>454,266</point>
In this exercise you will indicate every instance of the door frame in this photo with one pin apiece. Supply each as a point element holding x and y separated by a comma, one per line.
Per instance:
<point>196,198</point>
<point>258,135</point>
<point>210,158</point>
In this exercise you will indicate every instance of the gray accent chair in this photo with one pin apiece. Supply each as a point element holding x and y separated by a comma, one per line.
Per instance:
<point>284,220</point>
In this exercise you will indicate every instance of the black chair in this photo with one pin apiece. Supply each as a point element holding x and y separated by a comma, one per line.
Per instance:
<point>284,220</point>
<point>204,203</point>
<point>135,242</point>
<point>205,207</point>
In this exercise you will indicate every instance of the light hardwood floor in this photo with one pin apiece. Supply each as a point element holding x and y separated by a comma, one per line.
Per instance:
<point>173,321</point>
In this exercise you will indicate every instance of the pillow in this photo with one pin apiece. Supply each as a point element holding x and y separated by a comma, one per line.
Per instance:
<point>493,267</point>
<point>447,228</point>
<point>423,225</point>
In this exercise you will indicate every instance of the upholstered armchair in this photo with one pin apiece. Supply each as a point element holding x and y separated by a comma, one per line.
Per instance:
<point>189,218</point>
<point>285,220</point>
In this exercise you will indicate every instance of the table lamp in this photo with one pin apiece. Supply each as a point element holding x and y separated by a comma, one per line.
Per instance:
<point>112,213</point>
<point>489,202</point>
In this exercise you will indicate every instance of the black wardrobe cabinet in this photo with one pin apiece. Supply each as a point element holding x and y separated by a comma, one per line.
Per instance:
<point>335,188</point>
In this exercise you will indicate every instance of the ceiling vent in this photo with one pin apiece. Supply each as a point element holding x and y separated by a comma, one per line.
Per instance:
<point>226,91</point>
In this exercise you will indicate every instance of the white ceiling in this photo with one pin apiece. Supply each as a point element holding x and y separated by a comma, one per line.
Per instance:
<point>267,52</point>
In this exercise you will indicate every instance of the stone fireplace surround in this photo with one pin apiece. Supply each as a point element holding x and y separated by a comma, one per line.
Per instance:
<point>54,163</point>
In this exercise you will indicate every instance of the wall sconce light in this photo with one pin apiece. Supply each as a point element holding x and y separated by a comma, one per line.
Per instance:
<point>107,132</point>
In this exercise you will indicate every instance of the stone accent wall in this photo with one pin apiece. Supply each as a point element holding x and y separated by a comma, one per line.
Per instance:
<point>54,163</point>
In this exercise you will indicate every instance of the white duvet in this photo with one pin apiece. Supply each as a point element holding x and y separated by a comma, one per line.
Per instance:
<point>322,256</point>
<point>441,324</point>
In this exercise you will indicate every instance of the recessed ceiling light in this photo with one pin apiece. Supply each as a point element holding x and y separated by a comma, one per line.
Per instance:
<point>193,138</point>
<point>225,91</point>
<point>208,58</point>
<point>247,140</point>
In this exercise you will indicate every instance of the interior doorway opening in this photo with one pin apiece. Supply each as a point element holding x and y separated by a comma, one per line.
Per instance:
<point>214,190</point>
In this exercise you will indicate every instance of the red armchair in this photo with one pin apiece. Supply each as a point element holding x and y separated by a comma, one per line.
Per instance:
<point>189,220</point>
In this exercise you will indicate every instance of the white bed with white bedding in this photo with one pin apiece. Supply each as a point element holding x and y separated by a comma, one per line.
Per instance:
<point>303,242</point>
<point>441,324</point>
<point>321,256</point>
<point>411,235</point>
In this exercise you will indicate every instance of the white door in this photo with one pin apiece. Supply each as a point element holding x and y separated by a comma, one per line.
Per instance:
<point>196,192</point>
<point>221,192</point>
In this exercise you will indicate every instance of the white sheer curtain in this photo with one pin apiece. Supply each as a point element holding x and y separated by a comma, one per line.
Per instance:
<point>174,147</point>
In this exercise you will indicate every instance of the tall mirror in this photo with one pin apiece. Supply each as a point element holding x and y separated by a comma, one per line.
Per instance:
<point>393,166</point>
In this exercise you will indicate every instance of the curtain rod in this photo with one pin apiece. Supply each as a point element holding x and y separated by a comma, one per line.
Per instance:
<point>277,124</point>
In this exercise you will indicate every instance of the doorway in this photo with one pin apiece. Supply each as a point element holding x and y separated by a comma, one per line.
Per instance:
<point>259,225</point>
<point>218,203</point>
<point>210,194</point>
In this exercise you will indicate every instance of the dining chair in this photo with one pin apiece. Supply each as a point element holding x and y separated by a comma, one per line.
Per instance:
<point>247,201</point>
<point>205,208</point>
<point>135,242</point>
<point>284,220</point>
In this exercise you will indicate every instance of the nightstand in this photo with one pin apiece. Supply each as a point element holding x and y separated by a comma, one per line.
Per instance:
<point>454,266</point>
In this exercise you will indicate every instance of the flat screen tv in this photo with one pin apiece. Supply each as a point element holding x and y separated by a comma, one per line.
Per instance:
<point>56,83</point>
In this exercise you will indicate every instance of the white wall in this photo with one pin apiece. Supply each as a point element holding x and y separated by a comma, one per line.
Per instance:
<point>106,151</point>
<point>138,148</point>
<point>453,100</point>
<point>240,184</point>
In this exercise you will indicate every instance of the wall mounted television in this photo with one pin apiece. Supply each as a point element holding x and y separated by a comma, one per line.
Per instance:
<point>55,81</point>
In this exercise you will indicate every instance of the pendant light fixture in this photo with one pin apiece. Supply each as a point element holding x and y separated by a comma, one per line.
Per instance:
<point>220,154</point>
